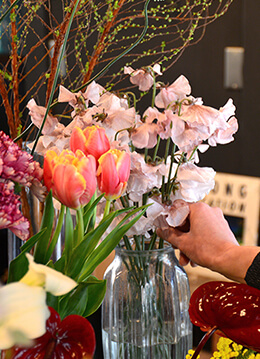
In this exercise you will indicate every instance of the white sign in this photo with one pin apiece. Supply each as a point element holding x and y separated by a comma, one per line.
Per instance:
<point>239,198</point>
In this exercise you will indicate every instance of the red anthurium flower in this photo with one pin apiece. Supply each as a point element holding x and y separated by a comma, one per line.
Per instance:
<point>91,141</point>
<point>73,337</point>
<point>71,176</point>
<point>232,308</point>
<point>113,173</point>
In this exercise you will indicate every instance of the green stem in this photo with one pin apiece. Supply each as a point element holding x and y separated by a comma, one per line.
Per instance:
<point>156,148</point>
<point>107,208</point>
<point>80,225</point>
<point>57,232</point>
<point>166,154</point>
<point>167,194</point>
<point>154,89</point>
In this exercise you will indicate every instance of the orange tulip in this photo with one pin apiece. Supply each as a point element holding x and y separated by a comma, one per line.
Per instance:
<point>91,141</point>
<point>72,177</point>
<point>113,173</point>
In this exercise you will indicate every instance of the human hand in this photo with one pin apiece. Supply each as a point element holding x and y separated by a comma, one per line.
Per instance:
<point>206,240</point>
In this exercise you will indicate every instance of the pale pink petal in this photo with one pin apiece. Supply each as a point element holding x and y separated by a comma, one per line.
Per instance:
<point>142,78</point>
<point>157,69</point>
<point>224,136</point>
<point>37,114</point>
<point>93,92</point>
<point>145,136</point>
<point>177,91</point>
<point>195,182</point>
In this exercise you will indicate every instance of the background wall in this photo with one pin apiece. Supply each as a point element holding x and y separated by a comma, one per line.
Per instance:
<point>203,65</point>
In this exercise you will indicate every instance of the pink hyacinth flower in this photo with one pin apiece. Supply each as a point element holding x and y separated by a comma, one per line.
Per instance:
<point>10,214</point>
<point>17,165</point>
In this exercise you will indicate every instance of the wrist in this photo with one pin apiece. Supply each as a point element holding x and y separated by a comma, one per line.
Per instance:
<point>235,261</point>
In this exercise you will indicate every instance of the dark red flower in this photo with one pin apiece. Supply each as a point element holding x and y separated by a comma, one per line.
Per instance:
<point>73,337</point>
<point>234,309</point>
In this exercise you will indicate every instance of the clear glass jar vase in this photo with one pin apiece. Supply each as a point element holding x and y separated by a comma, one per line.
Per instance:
<point>145,310</point>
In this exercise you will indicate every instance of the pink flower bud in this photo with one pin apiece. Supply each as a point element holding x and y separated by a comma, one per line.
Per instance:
<point>91,141</point>
<point>71,176</point>
<point>113,173</point>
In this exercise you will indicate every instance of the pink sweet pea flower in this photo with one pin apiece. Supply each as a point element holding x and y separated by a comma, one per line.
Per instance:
<point>113,173</point>
<point>143,77</point>
<point>91,141</point>
<point>72,177</point>
<point>155,123</point>
<point>37,114</point>
<point>177,91</point>
<point>195,182</point>
<point>225,135</point>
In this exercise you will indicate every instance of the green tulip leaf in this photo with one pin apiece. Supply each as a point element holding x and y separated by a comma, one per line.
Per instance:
<point>89,213</point>
<point>101,252</point>
<point>19,265</point>
<point>96,294</point>
<point>86,247</point>
<point>74,302</point>
<point>41,248</point>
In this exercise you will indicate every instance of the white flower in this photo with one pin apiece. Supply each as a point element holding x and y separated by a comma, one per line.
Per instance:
<point>51,280</point>
<point>195,182</point>
<point>23,309</point>
<point>23,313</point>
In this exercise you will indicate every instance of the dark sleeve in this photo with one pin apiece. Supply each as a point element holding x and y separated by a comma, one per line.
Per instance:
<point>252,277</point>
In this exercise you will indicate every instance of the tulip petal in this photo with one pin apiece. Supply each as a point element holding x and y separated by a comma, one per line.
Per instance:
<point>123,166</point>
<point>77,140</point>
<point>69,185</point>
<point>48,169</point>
<point>108,178</point>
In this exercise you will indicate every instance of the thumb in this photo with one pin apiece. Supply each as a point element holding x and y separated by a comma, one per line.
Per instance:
<point>170,234</point>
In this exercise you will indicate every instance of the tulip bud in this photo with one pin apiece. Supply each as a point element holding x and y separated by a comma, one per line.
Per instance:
<point>113,173</point>
<point>71,177</point>
<point>91,141</point>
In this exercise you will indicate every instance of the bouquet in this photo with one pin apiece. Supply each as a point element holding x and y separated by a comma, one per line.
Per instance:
<point>163,143</point>
<point>96,167</point>
<point>118,169</point>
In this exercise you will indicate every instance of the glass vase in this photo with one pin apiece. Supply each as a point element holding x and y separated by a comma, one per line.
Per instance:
<point>145,310</point>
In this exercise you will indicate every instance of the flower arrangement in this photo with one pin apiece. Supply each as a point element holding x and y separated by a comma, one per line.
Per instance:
<point>120,170</point>
<point>175,122</point>
<point>98,150</point>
